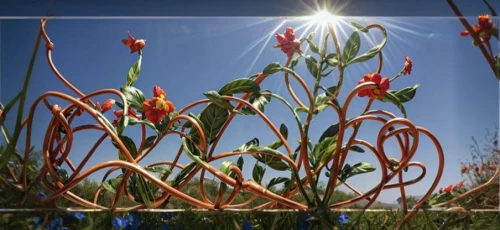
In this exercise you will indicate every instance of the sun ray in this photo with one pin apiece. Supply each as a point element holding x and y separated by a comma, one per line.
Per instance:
<point>269,36</point>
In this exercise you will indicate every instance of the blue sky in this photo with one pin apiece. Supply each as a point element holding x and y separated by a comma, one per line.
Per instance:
<point>457,98</point>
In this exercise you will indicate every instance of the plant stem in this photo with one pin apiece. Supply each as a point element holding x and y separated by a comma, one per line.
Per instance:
<point>340,64</point>
<point>22,100</point>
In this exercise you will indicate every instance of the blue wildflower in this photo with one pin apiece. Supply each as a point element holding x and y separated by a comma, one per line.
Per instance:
<point>168,216</point>
<point>247,225</point>
<point>42,195</point>
<point>78,215</point>
<point>56,224</point>
<point>119,223</point>
<point>166,227</point>
<point>344,219</point>
<point>133,222</point>
<point>37,221</point>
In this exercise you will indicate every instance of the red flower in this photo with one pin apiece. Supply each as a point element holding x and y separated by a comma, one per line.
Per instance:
<point>484,28</point>
<point>460,184</point>
<point>157,107</point>
<point>447,189</point>
<point>119,115</point>
<point>287,42</point>
<point>157,91</point>
<point>134,44</point>
<point>379,92</point>
<point>107,105</point>
<point>408,66</point>
<point>1,112</point>
<point>463,169</point>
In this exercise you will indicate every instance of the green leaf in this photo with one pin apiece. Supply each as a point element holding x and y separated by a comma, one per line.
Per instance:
<point>356,148</point>
<point>192,156</point>
<point>134,97</point>
<point>213,118</point>
<point>146,193</point>
<point>331,131</point>
<point>333,62</point>
<point>327,73</point>
<point>494,32</point>
<point>310,36</point>
<point>193,133</point>
<point>321,102</point>
<point>259,101</point>
<point>129,144</point>
<point>370,53</point>
<point>312,46</point>
<point>277,180</point>
<point>294,62</point>
<point>329,92</point>
<point>325,148</point>
<point>406,94</point>
<point>284,131</point>
<point>325,45</point>
<point>225,167</point>
<point>312,65</point>
<point>248,145</point>
<point>359,168</point>
<point>111,185</point>
<point>218,100</point>
<point>240,162</point>
<point>242,85</point>
<point>162,170</point>
<point>279,143</point>
<point>258,173</point>
<point>272,68</point>
<point>351,48</point>
<point>301,110</point>
<point>245,111</point>
<point>359,27</point>
<point>134,121</point>
<point>273,162</point>
<point>7,108</point>
<point>134,72</point>
<point>389,97</point>
<point>179,178</point>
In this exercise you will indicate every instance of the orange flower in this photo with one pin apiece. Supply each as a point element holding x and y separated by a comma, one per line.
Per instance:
<point>158,107</point>
<point>447,189</point>
<point>107,105</point>
<point>460,184</point>
<point>463,169</point>
<point>287,42</point>
<point>481,170</point>
<point>1,112</point>
<point>134,44</point>
<point>157,91</point>
<point>408,66</point>
<point>382,83</point>
<point>485,28</point>
<point>119,115</point>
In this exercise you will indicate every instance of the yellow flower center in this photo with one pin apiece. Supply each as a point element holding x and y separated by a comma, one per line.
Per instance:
<point>161,104</point>
<point>376,93</point>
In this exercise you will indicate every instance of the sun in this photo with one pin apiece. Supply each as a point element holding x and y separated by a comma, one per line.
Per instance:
<point>322,17</point>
